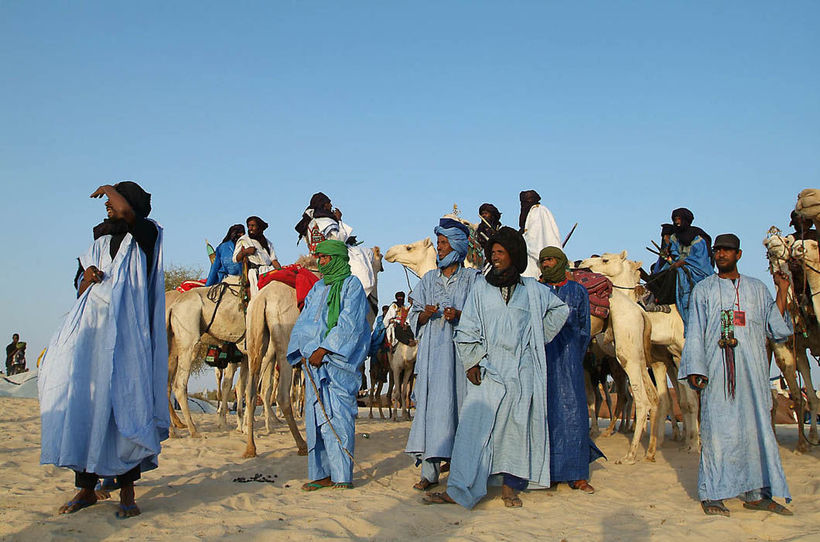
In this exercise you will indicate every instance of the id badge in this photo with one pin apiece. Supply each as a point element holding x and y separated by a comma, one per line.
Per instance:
<point>740,319</point>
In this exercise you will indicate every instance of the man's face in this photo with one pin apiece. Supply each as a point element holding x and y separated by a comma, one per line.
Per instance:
<point>499,257</point>
<point>678,221</point>
<point>548,263</point>
<point>238,232</point>
<point>726,259</point>
<point>324,259</point>
<point>486,215</point>
<point>253,227</point>
<point>328,207</point>
<point>111,212</point>
<point>443,247</point>
<point>399,300</point>
<point>15,338</point>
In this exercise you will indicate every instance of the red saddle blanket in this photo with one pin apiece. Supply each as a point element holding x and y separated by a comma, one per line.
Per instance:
<point>190,285</point>
<point>599,288</point>
<point>294,276</point>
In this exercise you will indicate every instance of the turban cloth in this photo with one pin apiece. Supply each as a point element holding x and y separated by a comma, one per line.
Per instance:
<point>514,243</point>
<point>557,273</point>
<point>334,274</point>
<point>458,236</point>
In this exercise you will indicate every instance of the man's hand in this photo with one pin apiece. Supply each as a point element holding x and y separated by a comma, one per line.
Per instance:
<point>474,375</point>
<point>427,313</point>
<point>678,263</point>
<point>92,274</point>
<point>101,191</point>
<point>317,356</point>
<point>249,250</point>
<point>697,382</point>
<point>451,314</point>
<point>781,280</point>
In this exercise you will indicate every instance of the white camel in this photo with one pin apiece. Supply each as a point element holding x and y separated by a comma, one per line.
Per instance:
<point>224,382</point>
<point>667,348</point>
<point>402,364</point>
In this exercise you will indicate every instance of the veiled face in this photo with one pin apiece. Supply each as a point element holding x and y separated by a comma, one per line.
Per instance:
<point>443,247</point>
<point>500,258</point>
<point>487,215</point>
<point>548,262</point>
<point>324,259</point>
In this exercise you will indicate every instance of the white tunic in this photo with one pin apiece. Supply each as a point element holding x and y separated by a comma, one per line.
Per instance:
<point>540,231</point>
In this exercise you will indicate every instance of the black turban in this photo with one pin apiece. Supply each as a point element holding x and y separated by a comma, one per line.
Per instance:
<point>262,224</point>
<point>685,215</point>
<point>495,214</point>
<point>515,245</point>
<point>236,228</point>
<point>318,201</point>
<point>317,206</point>
<point>528,199</point>
<point>137,198</point>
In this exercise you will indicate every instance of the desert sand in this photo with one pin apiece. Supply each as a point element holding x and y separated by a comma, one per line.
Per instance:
<point>193,495</point>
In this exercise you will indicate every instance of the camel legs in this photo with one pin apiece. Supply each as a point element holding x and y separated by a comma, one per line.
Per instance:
<point>268,380</point>
<point>241,382</point>
<point>225,382</point>
<point>283,400</point>
<point>814,403</point>
<point>181,387</point>
<point>405,388</point>
<point>658,369</point>
<point>787,364</point>
<point>592,405</point>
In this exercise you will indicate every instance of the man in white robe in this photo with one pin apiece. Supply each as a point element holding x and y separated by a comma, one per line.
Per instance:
<point>539,229</point>
<point>257,251</point>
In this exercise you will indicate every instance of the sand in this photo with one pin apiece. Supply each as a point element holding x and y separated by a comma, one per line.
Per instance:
<point>192,496</point>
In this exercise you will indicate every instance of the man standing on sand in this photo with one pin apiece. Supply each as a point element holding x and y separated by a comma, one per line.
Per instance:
<point>731,316</point>
<point>502,434</point>
<point>103,380</point>
<point>331,337</point>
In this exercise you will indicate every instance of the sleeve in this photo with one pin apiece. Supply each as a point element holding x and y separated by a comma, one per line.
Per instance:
<point>271,251</point>
<point>693,359</point>
<point>555,314</point>
<point>778,328</point>
<point>469,333</point>
<point>420,299</point>
<point>582,315</point>
<point>213,274</point>
<point>347,335</point>
<point>239,246</point>
<point>229,266</point>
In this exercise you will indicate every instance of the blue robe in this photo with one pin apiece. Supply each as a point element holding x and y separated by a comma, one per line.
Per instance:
<point>441,383</point>
<point>503,423</point>
<point>338,379</point>
<point>377,338</point>
<point>223,264</point>
<point>739,452</point>
<point>103,379</point>
<point>698,266</point>
<point>571,449</point>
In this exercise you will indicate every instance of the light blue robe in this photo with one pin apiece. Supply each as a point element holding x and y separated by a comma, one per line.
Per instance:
<point>441,383</point>
<point>223,264</point>
<point>698,266</point>
<point>104,377</point>
<point>338,378</point>
<point>503,423</point>
<point>739,452</point>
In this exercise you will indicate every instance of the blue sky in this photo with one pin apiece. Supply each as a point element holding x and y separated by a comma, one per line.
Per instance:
<point>615,112</point>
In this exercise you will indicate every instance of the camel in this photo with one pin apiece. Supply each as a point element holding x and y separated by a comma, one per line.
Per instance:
<point>667,347</point>
<point>420,256</point>
<point>379,376</point>
<point>212,314</point>
<point>808,205</point>
<point>224,382</point>
<point>602,348</point>
<point>402,363</point>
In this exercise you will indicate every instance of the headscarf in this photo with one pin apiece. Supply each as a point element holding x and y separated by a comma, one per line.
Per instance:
<point>495,214</point>
<point>686,233</point>
<point>316,209</point>
<point>486,228</point>
<point>514,243</point>
<point>528,199</point>
<point>140,202</point>
<point>259,236</point>
<point>557,273</point>
<point>236,228</point>
<point>458,235</point>
<point>334,274</point>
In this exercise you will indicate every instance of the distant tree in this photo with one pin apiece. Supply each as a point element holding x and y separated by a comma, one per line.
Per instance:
<point>177,274</point>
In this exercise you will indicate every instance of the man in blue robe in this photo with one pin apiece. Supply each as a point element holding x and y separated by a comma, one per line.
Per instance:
<point>103,378</point>
<point>438,300</point>
<point>725,359</point>
<point>223,264</point>
<point>332,334</point>
<point>502,434</point>
<point>571,449</point>
<point>689,255</point>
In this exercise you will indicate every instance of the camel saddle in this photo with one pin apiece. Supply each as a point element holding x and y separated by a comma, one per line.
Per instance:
<point>295,276</point>
<point>599,288</point>
<point>404,335</point>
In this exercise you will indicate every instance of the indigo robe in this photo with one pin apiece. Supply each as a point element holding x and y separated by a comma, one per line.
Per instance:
<point>223,264</point>
<point>503,423</point>
<point>739,452</point>
<point>571,449</point>
<point>698,266</point>
<point>103,379</point>
<point>441,382</point>
<point>338,379</point>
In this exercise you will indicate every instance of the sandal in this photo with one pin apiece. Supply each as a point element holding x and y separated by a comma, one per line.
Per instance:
<point>437,498</point>
<point>768,505</point>
<point>424,484</point>
<point>75,505</point>
<point>125,511</point>
<point>313,486</point>
<point>512,502</point>
<point>714,508</point>
<point>582,485</point>
<point>343,485</point>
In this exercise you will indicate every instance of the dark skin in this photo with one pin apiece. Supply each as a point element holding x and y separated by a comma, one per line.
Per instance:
<point>117,207</point>
<point>548,263</point>
<point>254,228</point>
<point>451,314</point>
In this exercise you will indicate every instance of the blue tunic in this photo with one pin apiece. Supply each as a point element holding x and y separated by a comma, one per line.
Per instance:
<point>441,382</point>
<point>377,338</point>
<point>739,452</point>
<point>338,379</point>
<point>571,449</point>
<point>104,378</point>
<point>698,266</point>
<point>503,423</point>
<point>223,264</point>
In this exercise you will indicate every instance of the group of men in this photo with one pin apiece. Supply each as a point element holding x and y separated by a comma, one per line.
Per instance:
<point>499,385</point>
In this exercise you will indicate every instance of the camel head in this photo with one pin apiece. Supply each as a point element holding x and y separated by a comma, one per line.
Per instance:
<point>419,256</point>
<point>377,260</point>
<point>805,251</point>
<point>778,249</point>
<point>808,204</point>
<point>613,266</point>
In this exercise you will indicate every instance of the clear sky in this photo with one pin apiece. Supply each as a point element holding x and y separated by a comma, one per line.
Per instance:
<point>616,112</point>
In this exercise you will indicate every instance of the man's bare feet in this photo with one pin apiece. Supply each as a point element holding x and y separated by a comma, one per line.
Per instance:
<point>316,485</point>
<point>128,506</point>
<point>510,497</point>
<point>83,499</point>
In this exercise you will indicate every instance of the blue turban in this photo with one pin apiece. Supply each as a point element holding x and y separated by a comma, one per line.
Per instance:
<point>458,236</point>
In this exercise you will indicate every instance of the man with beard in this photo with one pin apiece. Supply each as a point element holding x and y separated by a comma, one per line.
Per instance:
<point>257,250</point>
<point>396,315</point>
<point>224,264</point>
<point>438,300</point>
<point>539,229</point>
<point>689,255</point>
<point>331,337</point>
<point>571,449</point>
<point>103,378</point>
<point>490,223</point>
<point>725,359</point>
<point>502,434</point>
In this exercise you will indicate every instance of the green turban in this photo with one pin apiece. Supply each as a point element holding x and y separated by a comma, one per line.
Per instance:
<point>559,272</point>
<point>334,274</point>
